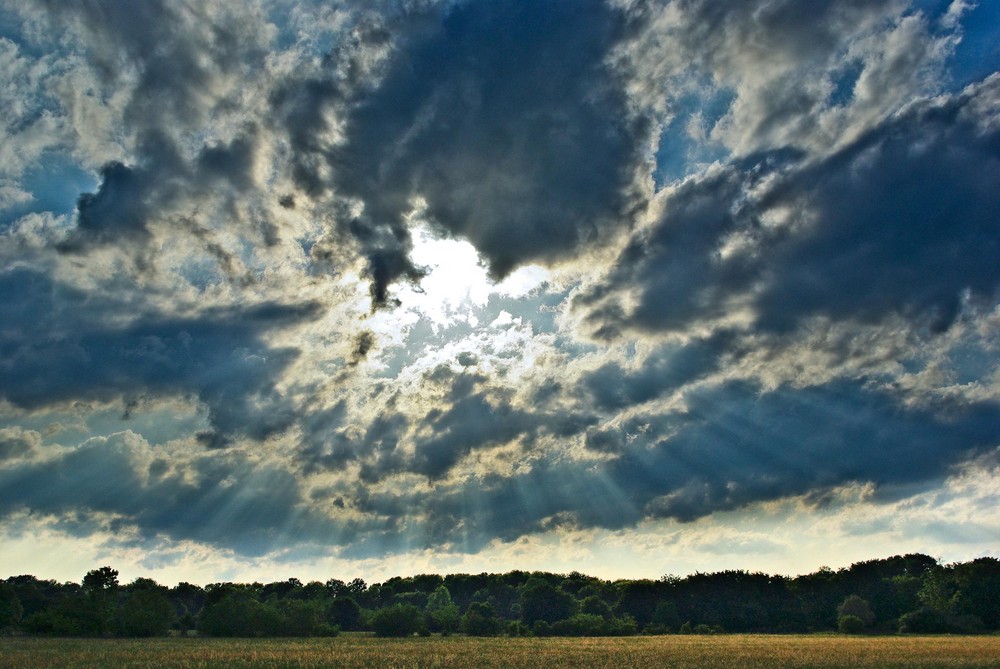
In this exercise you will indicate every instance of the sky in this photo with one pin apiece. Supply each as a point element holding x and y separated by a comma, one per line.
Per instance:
<point>361,289</point>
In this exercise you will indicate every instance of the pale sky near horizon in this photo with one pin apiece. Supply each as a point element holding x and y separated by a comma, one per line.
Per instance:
<point>363,289</point>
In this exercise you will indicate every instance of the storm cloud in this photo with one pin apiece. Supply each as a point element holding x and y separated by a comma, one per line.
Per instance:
<point>505,123</point>
<point>472,281</point>
<point>898,222</point>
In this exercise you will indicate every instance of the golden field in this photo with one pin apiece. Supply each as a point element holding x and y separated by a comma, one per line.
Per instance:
<point>364,652</point>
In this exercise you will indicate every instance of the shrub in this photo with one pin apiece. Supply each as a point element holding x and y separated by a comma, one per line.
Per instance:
<point>345,613</point>
<point>240,614</point>
<point>398,620</point>
<point>581,624</point>
<point>481,620</point>
<point>541,628</point>
<point>923,621</point>
<point>857,607</point>
<point>850,624</point>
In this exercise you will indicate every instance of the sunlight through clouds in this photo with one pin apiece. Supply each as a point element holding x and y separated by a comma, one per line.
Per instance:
<point>380,288</point>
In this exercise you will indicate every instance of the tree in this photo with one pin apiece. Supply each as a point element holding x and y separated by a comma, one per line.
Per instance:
<point>849,624</point>
<point>11,609</point>
<point>481,620</point>
<point>345,613</point>
<point>594,605</point>
<point>239,613</point>
<point>858,608</point>
<point>299,617</point>
<point>146,610</point>
<point>398,620</point>
<point>665,617</point>
<point>101,586</point>
<point>540,600</point>
<point>444,615</point>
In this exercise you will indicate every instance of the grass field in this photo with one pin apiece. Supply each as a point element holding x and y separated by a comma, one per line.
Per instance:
<point>356,652</point>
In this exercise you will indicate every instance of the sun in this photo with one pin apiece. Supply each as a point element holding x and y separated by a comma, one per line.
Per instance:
<point>457,282</point>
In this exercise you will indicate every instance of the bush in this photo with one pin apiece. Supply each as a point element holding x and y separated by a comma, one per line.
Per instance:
<point>344,613</point>
<point>145,613</point>
<point>923,621</point>
<point>303,618</point>
<point>581,624</point>
<point>240,614</point>
<point>596,606</point>
<point>850,624</point>
<point>517,628</point>
<point>857,607</point>
<point>481,620</point>
<point>398,620</point>
<point>541,628</point>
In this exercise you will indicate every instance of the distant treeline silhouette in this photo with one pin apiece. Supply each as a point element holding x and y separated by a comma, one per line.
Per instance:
<point>901,594</point>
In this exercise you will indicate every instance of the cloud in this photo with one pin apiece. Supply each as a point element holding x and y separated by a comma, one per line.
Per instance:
<point>216,499</point>
<point>16,443</point>
<point>732,446</point>
<point>899,222</point>
<point>64,345</point>
<point>502,122</point>
<point>750,251</point>
<point>178,63</point>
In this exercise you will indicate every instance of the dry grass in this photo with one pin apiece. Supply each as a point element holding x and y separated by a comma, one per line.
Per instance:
<point>359,652</point>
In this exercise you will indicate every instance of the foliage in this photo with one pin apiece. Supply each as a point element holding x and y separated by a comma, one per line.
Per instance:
<point>923,621</point>
<point>145,612</point>
<point>855,607</point>
<point>344,613</point>
<point>443,614</point>
<point>239,613</point>
<point>850,624</point>
<point>398,620</point>
<point>911,593</point>
<point>540,600</point>
<point>481,620</point>
<point>11,609</point>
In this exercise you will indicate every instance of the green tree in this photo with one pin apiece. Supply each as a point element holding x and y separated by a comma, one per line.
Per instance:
<point>940,591</point>
<point>594,605</point>
<point>101,586</point>
<point>239,614</point>
<point>443,613</point>
<point>540,600</point>
<point>857,607</point>
<point>345,613</point>
<point>481,620</point>
<point>301,618</point>
<point>11,609</point>
<point>398,620</point>
<point>146,610</point>
<point>666,617</point>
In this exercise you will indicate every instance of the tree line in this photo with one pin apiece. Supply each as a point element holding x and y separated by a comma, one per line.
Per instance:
<point>901,594</point>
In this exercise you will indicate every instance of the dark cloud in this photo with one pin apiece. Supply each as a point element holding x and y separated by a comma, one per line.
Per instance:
<point>162,187</point>
<point>178,55</point>
<point>62,345</point>
<point>363,343</point>
<point>505,117</point>
<point>222,500</point>
<point>670,367</point>
<point>17,443</point>
<point>902,221</point>
<point>472,415</point>
<point>733,445</point>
